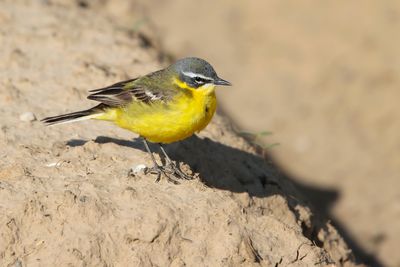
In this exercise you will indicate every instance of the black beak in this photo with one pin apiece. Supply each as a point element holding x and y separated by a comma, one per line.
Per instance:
<point>220,81</point>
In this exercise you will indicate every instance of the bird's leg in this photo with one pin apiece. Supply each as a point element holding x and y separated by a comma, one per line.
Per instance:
<point>173,167</point>
<point>156,169</point>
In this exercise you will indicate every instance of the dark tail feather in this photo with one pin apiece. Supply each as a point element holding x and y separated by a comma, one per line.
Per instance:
<point>74,116</point>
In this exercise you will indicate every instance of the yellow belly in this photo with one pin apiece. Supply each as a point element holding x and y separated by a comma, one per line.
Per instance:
<point>168,122</point>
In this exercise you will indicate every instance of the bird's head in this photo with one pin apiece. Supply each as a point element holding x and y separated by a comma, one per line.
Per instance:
<point>197,73</point>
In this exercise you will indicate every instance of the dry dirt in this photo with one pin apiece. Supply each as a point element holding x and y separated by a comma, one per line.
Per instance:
<point>323,76</point>
<point>65,196</point>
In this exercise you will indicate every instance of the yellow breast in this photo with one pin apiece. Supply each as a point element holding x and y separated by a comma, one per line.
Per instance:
<point>169,122</point>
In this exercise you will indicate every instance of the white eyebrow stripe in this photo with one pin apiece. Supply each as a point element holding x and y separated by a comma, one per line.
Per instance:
<point>192,75</point>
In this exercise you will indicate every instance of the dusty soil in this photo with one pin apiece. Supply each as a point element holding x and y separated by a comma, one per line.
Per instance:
<point>66,198</point>
<point>323,77</point>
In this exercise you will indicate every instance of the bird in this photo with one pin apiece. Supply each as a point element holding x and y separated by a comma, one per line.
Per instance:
<point>165,106</point>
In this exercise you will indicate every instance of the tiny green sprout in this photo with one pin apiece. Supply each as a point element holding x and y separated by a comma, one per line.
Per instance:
<point>138,24</point>
<point>256,139</point>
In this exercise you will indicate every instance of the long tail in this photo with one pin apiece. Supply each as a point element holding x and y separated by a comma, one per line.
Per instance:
<point>76,116</point>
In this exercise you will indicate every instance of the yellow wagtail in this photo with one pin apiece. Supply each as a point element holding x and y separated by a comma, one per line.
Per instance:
<point>165,106</point>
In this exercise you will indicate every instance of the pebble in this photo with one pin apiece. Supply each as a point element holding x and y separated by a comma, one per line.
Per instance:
<point>27,116</point>
<point>54,164</point>
<point>135,170</point>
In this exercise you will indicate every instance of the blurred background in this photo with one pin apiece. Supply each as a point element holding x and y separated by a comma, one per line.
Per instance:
<point>323,78</point>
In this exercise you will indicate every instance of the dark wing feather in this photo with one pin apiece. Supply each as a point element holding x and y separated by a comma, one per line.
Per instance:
<point>123,93</point>
<point>117,85</point>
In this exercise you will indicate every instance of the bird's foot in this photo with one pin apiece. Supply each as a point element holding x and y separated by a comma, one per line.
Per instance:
<point>161,170</point>
<point>177,172</point>
<point>171,169</point>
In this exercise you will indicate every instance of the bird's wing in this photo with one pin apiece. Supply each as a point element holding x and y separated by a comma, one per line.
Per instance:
<point>123,93</point>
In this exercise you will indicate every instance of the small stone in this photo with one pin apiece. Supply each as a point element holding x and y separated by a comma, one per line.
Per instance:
<point>54,164</point>
<point>27,116</point>
<point>138,169</point>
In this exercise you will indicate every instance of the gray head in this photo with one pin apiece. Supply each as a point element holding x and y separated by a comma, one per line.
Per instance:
<point>196,72</point>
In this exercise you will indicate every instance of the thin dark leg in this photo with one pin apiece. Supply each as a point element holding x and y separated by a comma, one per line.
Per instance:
<point>146,145</point>
<point>165,154</point>
<point>157,169</point>
<point>174,168</point>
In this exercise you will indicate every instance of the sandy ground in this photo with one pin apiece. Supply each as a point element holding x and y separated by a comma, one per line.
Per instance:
<point>66,198</point>
<point>322,76</point>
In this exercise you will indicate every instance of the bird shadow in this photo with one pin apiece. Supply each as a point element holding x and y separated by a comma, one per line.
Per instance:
<point>227,168</point>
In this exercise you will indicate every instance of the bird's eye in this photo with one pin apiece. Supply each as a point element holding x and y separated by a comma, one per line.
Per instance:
<point>198,80</point>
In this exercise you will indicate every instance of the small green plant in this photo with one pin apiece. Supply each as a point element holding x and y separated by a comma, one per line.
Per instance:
<point>138,24</point>
<point>258,139</point>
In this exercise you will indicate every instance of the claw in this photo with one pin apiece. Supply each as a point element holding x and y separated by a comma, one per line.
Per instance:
<point>159,170</point>
<point>170,169</point>
<point>177,171</point>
